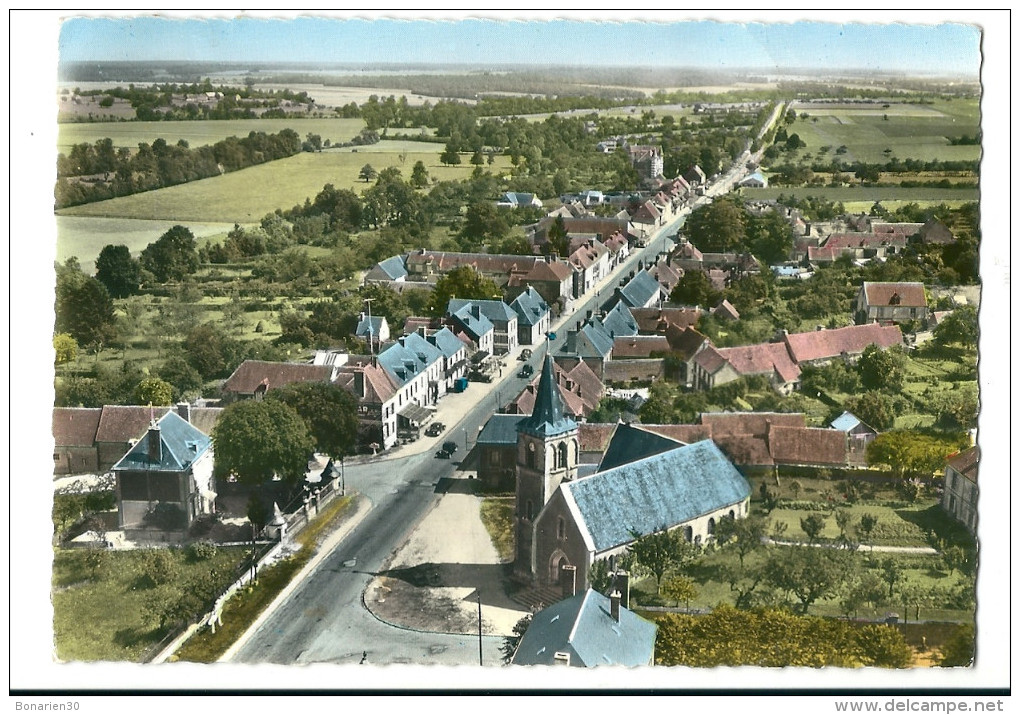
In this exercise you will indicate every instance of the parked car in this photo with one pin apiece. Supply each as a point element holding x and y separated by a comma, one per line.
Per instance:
<point>525,354</point>
<point>449,447</point>
<point>435,429</point>
<point>526,371</point>
<point>442,454</point>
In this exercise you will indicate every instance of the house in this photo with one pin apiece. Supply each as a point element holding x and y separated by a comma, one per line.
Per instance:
<point>533,316</point>
<point>667,276</point>
<point>820,346</point>
<point>695,176</point>
<point>554,281</point>
<point>579,387</point>
<point>585,631</point>
<point>502,317</point>
<point>684,344</point>
<point>165,480</point>
<point>393,269</point>
<point>470,320</point>
<point>891,303</point>
<point>74,440</point>
<point>253,378</point>
<point>416,365</point>
<point>374,330</point>
<point>756,180</point>
<point>632,347</point>
<point>647,160</point>
<point>590,263</point>
<point>769,359</point>
<point>455,356</point>
<point>378,400</point>
<point>516,199</point>
<point>862,245</point>
<point>960,490</point>
<point>641,291</point>
<point>934,231</point>
<point>657,320</point>
<point>859,434</point>
<point>725,311</point>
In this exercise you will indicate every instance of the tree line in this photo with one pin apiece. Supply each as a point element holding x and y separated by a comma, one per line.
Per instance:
<point>160,164</point>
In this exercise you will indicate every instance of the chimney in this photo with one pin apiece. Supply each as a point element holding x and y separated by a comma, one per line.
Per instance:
<point>623,586</point>
<point>561,658</point>
<point>570,573</point>
<point>153,443</point>
<point>184,411</point>
<point>614,605</point>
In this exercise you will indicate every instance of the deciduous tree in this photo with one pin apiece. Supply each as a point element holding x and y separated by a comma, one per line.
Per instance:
<point>172,256</point>
<point>153,391</point>
<point>118,271</point>
<point>255,440</point>
<point>329,411</point>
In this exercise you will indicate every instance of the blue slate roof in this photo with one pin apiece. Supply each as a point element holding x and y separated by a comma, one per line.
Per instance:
<point>474,326</point>
<point>584,627</point>
<point>394,267</point>
<point>500,430</point>
<point>368,326</point>
<point>629,444</point>
<point>404,363</point>
<point>640,289</point>
<point>494,310</point>
<point>530,307</point>
<point>619,322</point>
<point>657,492</point>
<point>422,348</point>
<point>446,342</point>
<point>847,422</point>
<point>600,340</point>
<point>181,443</point>
<point>547,418</point>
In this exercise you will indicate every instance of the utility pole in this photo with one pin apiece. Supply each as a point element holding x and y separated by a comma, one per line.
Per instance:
<point>478,595</point>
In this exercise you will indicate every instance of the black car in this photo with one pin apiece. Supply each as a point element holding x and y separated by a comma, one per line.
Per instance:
<point>435,429</point>
<point>449,447</point>
<point>526,371</point>
<point>442,454</point>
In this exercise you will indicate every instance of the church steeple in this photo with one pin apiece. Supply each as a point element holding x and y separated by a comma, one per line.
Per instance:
<point>547,419</point>
<point>547,455</point>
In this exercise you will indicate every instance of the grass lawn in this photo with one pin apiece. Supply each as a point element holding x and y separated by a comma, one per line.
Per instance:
<point>246,604</point>
<point>203,132</point>
<point>897,526</point>
<point>102,619</point>
<point>246,196</point>
<point>498,518</point>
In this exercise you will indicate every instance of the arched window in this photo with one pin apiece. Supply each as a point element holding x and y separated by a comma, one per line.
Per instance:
<point>732,515</point>
<point>711,526</point>
<point>530,455</point>
<point>688,534</point>
<point>561,452</point>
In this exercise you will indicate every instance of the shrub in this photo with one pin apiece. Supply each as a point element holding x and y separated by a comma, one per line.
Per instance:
<point>159,566</point>
<point>201,551</point>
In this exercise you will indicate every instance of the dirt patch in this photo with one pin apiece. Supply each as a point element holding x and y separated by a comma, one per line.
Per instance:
<point>433,581</point>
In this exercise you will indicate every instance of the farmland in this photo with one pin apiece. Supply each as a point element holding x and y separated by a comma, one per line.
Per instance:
<point>911,131</point>
<point>247,195</point>
<point>200,133</point>
<point>868,194</point>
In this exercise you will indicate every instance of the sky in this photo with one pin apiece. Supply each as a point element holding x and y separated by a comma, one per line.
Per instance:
<point>919,44</point>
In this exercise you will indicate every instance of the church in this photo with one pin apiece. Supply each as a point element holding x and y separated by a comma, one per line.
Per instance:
<point>645,483</point>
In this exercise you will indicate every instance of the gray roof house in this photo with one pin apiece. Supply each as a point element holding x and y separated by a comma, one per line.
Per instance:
<point>165,481</point>
<point>641,291</point>
<point>501,315</point>
<point>533,316</point>
<point>393,268</point>
<point>585,631</point>
<point>472,321</point>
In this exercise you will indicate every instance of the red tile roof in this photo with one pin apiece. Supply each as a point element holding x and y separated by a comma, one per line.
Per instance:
<point>639,346</point>
<point>658,320</point>
<point>762,359</point>
<point>710,360</point>
<point>122,423</point>
<point>686,341</point>
<point>905,294</point>
<point>807,445</point>
<point>966,463</point>
<point>865,240</point>
<point>682,433</point>
<point>252,373</point>
<point>548,271</point>
<point>749,423</point>
<point>824,344</point>
<point>379,386</point>
<point>594,437</point>
<point>75,426</point>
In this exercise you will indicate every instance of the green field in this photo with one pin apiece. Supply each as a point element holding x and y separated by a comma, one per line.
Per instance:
<point>910,131</point>
<point>868,194</point>
<point>246,196</point>
<point>200,133</point>
<point>85,237</point>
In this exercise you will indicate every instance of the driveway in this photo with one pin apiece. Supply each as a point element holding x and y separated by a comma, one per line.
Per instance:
<point>432,582</point>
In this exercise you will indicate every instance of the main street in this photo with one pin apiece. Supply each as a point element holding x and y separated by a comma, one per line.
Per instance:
<point>324,619</point>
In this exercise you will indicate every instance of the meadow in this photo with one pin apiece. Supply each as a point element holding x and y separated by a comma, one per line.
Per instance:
<point>867,194</point>
<point>246,196</point>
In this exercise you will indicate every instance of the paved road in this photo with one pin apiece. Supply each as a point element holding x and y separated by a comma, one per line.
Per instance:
<point>323,619</point>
